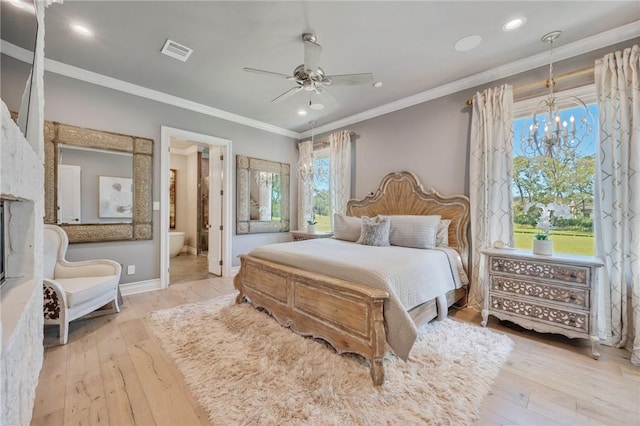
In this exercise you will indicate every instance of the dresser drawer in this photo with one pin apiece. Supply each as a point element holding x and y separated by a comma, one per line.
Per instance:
<point>548,271</point>
<point>576,296</point>
<point>578,321</point>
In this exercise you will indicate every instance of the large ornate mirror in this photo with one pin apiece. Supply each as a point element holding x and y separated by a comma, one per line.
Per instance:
<point>262,196</point>
<point>98,185</point>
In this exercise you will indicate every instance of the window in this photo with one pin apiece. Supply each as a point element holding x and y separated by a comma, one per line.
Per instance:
<point>562,184</point>
<point>321,194</point>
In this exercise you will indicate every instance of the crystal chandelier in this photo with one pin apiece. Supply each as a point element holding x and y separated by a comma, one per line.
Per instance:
<point>549,133</point>
<point>305,163</point>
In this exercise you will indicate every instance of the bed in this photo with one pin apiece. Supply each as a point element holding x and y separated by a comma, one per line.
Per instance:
<point>308,286</point>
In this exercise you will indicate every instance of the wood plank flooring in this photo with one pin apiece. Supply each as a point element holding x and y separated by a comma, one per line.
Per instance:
<point>113,372</point>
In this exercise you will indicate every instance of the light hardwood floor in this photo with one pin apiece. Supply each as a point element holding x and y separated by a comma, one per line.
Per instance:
<point>113,372</point>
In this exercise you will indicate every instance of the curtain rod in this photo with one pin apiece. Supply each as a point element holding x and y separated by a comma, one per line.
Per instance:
<point>325,141</point>
<point>529,86</point>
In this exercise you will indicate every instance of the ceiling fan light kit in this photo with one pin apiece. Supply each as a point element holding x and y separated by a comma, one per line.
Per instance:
<point>311,78</point>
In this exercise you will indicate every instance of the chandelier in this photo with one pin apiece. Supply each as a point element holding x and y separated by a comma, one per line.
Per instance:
<point>305,163</point>
<point>552,131</point>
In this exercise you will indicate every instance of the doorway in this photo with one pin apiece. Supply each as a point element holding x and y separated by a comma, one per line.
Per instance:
<point>189,191</point>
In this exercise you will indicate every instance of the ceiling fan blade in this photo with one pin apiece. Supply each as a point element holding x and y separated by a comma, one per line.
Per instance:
<point>328,97</point>
<point>287,94</point>
<point>257,71</point>
<point>311,56</point>
<point>350,79</point>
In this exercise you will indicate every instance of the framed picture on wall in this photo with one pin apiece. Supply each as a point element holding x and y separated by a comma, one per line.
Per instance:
<point>115,196</point>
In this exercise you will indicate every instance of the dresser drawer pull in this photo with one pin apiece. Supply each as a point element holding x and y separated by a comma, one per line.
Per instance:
<point>574,275</point>
<point>572,320</point>
<point>573,297</point>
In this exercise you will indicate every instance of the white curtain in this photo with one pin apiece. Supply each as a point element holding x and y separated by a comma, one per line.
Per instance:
<point>490,171</point>
<point>339,171</point>
<point>305,190</point>
<point>617,198</point>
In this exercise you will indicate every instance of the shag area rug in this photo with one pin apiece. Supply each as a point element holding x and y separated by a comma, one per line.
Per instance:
<point>245,368</point>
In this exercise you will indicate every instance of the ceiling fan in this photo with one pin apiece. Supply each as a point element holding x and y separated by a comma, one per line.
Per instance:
<point>311,78</point>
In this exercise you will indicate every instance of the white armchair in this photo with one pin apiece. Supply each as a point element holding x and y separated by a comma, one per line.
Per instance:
<point>75,289</point>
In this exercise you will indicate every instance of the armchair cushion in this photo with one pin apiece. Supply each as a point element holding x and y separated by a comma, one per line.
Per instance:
<point>83,289</point>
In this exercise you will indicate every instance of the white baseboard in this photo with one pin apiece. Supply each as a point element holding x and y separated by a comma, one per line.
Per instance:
<point>234,270</point>
<point>127,289</point>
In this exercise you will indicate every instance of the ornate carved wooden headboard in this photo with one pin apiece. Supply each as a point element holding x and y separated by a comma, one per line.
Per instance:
<point>400,193</point>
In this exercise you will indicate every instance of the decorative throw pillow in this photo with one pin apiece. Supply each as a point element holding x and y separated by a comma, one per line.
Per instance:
<point>442,236</point>
<point>415,231</point>
<point>346,228</point>
<point>374,233</point>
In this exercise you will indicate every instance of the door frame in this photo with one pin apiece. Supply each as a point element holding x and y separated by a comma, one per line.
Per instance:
<point>166,133</point>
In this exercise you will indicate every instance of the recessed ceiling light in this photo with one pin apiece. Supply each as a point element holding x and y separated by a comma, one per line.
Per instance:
<point>316,106</point>
<point>514,23</point>
<point>467,43</point>
<point>82,30</point>
<point>377,84</point>
<point>302,112</point>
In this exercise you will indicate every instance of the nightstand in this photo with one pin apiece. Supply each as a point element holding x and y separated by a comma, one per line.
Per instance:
<point>302,235</point>
<point>549,294</point>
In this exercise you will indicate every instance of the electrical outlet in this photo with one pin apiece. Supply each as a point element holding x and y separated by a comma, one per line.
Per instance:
<point>131,269</point>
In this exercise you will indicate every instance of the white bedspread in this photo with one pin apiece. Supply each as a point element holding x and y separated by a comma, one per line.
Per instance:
<point>410,276</point>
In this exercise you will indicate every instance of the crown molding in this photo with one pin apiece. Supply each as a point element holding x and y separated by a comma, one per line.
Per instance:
<point>570,50</point>
<point>81,74</point>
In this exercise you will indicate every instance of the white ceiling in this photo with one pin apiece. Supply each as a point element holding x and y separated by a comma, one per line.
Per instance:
<point>406,45</point>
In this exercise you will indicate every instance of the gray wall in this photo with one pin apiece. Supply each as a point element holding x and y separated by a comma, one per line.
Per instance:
<point>81,104</point>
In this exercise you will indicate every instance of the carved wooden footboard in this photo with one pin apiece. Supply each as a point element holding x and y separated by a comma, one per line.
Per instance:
<point>347,315</point>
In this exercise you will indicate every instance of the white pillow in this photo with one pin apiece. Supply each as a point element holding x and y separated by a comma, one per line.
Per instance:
<point>442,235</point>
<point>414,231</point>
<point>346,228</point>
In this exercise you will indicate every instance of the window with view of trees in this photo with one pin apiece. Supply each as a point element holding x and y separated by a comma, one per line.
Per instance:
<point>321,200</point>
<point>561,185</point>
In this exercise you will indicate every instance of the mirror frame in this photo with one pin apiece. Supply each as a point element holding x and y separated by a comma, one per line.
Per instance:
<point>141,226</point>
<point>244,225</point>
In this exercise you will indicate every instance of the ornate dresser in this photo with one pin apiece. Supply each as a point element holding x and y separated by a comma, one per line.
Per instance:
<point>551,294</point>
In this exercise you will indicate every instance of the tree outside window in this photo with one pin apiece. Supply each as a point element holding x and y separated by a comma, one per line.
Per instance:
<point>321,195</point>
<point>564,180</point>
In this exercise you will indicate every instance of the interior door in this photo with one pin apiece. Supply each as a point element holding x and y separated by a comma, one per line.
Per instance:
<point>215,211</point>
<point>69,208</point>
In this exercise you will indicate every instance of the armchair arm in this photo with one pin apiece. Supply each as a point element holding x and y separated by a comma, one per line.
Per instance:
<point>55,300</point>
<point>87,268</point>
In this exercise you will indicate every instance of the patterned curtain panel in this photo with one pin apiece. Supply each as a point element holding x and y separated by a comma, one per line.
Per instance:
<point>490,172</point>
<point>305,190</point>
<point>340,171</point>
<point>617,198</point>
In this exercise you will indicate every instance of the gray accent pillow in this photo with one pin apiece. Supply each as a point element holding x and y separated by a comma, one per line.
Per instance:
<point>346,228</point>
<point>442,235</point>
<point>415,231</point>
<point>374,233</point>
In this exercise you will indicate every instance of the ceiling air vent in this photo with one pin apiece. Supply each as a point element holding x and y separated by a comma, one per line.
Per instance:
<point>176,50</point>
